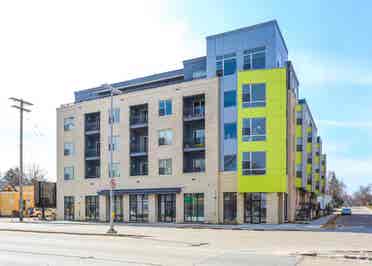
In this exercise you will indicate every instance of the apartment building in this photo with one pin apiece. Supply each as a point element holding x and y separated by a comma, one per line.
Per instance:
<point>310,164</point>
<point>213,142</point>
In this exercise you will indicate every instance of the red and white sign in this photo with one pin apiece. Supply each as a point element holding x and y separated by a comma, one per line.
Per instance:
<point>113,183</point>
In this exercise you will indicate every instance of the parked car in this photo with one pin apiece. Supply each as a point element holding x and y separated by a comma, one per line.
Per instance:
<point>346,211</point>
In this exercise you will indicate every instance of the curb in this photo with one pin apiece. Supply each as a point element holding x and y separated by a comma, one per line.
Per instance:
<point>331,223</point>
<point>71,233</point>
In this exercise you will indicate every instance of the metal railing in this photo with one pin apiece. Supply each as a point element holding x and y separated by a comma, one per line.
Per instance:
<point>189,112</point>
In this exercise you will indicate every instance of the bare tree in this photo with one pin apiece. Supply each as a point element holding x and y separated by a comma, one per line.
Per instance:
<point>363,196</point>
<point>337,190</point>
<point>35,173</point>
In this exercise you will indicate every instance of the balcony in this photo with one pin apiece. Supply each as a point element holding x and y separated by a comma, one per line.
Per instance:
<point>92,169</point>
<point>299,147</point>
<point>298,173</point>
<point>309,160</point>
<point>191,113</point>
<point>194,144</point>
<point>309,180</point>
<point>194,161</point>
<point>92,122</point>
<point>138,120</point>
<point>138,149</point>
<point>92,154</point>
<point>138,166</point>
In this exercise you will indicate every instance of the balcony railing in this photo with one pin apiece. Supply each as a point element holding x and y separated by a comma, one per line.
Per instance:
<point>138,119</point>
<point>194,143</point>
<point>194,169</point>
<point>92,125</point>
<point>138,147</point>
<point>194,113</point>
<point>92,152</point>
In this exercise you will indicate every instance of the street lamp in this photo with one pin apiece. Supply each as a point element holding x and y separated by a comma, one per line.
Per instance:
<point>113,91</point>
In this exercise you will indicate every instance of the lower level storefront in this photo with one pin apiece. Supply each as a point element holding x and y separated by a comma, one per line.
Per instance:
<point>174,206</point>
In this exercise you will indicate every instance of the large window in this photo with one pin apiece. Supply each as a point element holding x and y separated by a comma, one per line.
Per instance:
<point>69,208</point>
<point>229,98</point>
<point>230,162</point>
<point>167,208</point>
<point>165,137</point>
<point>138,208</point>
<point>254,163</point>
<point>68,123</point>
<point>68,173</point>
<point>254,129</point>
<point>165,107</point>
<point>114,146</point>
<point>255,208</point>
<point>91,208</point>
<point>115,171</point>
<point>229,207</point>
<point>194,207</point>
<point>165,167</point>
<point>230,131</point>
<point>115,115</point>
<point>254,58</point>
<point>226,65</point>
<point>254,95</point>
<point>118,208</point>
<point>68,149</point>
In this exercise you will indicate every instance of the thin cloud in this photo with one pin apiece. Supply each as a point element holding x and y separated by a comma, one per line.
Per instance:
<point>345,124</point>
<point>325,70</point>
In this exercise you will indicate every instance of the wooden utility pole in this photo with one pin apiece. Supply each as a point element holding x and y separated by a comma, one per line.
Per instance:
<point>19,106</point>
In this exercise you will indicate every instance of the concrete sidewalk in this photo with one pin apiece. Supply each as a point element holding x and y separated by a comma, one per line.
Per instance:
<point>131,229</point>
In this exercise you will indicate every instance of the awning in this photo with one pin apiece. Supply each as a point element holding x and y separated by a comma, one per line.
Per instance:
<point>162,190</point>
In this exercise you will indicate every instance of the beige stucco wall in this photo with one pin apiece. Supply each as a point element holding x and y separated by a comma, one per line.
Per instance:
<point>192,182</point>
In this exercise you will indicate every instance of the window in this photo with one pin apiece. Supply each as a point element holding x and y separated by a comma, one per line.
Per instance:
<point>229,162</point>
<point>199,74</point>
<point>68,149</point>
<point>230,131</point>
<point>299,146</point>
<point>165,107</point>
<point>115,115</point>
<point>69,209</point>
<point>254,58</point>
<point>255,208</point>
<point>299,170</point>
<point>68,173</point>
<point>226,65</point>
<point>254,163</point>
<point>194,207</point>
<point>254,129</point>
<point>229,66</point>
<point>229,207</point>
<point>115,171</point>
<point>118,208</point>
<point>165,137</point>
<point>229,98</point>
<point>167,208</point>
<point>68,123</point>
<point>165,167</point>
<point>254,95</point>
<point>198,164</point>
<point>114,146</point>
<point>91,208</point>
<point>198,136</point>
<point>138,208</point>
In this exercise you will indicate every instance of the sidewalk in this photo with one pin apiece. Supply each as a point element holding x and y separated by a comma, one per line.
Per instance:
<point>133,229</point>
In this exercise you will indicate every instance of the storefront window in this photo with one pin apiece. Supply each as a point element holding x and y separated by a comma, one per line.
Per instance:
<point>194,207</point>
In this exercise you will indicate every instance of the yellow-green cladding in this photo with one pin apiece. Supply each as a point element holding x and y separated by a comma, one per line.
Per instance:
<point>275,145</point>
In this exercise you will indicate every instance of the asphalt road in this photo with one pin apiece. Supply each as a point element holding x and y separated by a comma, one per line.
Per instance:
<point>199,247</point>
<point>359,220</point>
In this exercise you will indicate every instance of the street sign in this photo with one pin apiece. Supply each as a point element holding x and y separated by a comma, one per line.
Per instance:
<point>113,183</point>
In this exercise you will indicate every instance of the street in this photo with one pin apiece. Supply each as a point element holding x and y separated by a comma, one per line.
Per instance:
<point>145,245</point>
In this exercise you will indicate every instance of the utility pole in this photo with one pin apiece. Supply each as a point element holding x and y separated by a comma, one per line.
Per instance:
<point>113,91</point>
<point>19,106</point>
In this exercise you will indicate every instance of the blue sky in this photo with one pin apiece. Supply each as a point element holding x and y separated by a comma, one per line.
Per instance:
<point>51,49</point>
